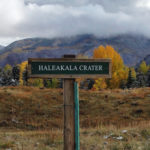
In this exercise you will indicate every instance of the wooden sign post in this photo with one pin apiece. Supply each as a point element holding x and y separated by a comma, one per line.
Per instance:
<point>69,69</point>
<point>69,112</point>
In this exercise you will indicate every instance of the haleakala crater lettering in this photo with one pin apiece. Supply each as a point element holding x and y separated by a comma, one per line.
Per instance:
<point>70,68</point>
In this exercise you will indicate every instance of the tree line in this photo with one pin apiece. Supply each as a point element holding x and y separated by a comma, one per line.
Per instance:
<point>122,76</point>
<point>18,75</point>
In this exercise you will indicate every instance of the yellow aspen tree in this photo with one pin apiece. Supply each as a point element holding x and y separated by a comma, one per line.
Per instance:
<point>143,68</point>
<point>35,82</point>
<point>22,68</point>
<point>100,84</point>
<point>119,70</point>
<point>133,73</point>
<point>7,67</point>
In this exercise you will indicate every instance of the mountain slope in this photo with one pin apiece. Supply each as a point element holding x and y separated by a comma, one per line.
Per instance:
<point>146,59</point>
<point>1,47</point>
<point>132,48</point>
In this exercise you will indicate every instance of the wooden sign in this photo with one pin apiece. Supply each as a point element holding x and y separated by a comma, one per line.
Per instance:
<point>69,68</point>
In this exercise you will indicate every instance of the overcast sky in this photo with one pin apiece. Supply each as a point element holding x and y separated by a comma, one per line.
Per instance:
<point>57,18</point>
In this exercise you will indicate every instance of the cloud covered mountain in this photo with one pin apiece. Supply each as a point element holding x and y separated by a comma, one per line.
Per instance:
<point>60,18</point>
<point>132,48</point>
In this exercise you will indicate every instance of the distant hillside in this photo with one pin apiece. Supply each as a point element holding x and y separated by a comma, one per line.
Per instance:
<point>146,59</point>
<point>1,47</point>
<point>132,48</point>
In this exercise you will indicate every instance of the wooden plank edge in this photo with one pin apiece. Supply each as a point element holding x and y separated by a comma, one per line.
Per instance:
<point>30,60</point>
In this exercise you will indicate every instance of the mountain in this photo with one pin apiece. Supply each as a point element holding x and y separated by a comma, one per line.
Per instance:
<point>1,47</point>
<point>146,59</point>
<point>132,48</point>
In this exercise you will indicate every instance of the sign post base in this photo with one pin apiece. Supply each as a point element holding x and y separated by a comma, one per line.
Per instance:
<point>69,115</point>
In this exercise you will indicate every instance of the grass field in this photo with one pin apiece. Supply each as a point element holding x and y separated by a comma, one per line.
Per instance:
<point>32,118</point>
<point>100,138</point>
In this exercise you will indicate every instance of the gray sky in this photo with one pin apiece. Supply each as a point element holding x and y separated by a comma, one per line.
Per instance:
<point>57,18</point>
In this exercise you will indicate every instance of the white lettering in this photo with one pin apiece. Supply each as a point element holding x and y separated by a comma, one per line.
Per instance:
<point>92,67</point>
<point>67,68</point>
<point>45,68</point>
<point>40,67</point>
<point>75,68</point>
<point>96,68</point>
<point>89,68</point>
<point>53,67</point>
<point>100,67</point>
<point>85,67</point>
<point>81,67</point>
<point>70,68</point>
<point>62,68</point>
<point>58,68</point>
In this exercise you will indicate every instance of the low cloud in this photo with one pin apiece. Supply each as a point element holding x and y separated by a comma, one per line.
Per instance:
<point>59,18</point>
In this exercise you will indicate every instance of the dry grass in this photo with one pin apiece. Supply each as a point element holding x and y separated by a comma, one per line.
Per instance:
<point>32,118</point>
<point>30,108</point>
<point>100,138</point>
<point>35,108</point>
<point>117,107</point>
<point>30,140</point>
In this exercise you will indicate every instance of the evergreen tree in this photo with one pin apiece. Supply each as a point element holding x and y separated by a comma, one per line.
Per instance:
<point>123,84</point>
<point>130,80</point>
<point>16,74</point>
<point>1,76</point>
<point>91,83</point>
<point>148,78</point>
<point>25,76</point>
<point>6,79</point>
<point>141,79</point>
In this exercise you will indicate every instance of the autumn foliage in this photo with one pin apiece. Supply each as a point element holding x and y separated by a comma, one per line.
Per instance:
<point>121,75</point>
<point>143,68</point>
<point>119,70</point>
<point>23,65</point>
